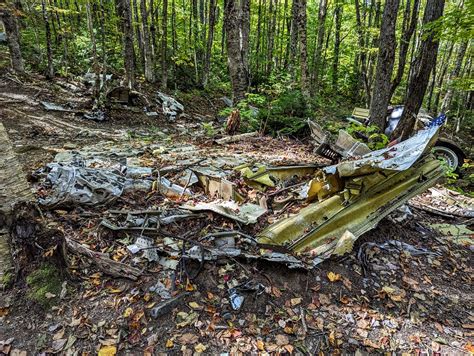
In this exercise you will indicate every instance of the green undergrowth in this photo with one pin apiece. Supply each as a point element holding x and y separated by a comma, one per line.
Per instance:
<point>44,285</point>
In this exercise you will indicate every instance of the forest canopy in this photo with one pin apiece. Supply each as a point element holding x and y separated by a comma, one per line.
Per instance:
<point>299,56</point>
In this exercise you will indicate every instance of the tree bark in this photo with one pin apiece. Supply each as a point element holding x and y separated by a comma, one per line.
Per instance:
<point>164,46</point>
<point>385,62</point>
<point>13,38</point>
<point>323,6</point>
<point>363,55</point>
<point>301,28</point>
<point>95,62</point>
<point>337,44</point>
<point>49,50</point>
<point>210,40</point>
<point>139,34</point>
<point>405,43</point>
<point>237,28</point>
<point>125,14</point>
<point>147,46</point>
<point>454,74</point>
<point>424,62</point>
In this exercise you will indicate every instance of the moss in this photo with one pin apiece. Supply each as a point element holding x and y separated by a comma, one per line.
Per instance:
<point>7,280</point>
<point>42,282</point>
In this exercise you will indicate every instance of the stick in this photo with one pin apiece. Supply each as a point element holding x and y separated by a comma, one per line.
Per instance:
<point>103,262</point>
<point>235,138</point>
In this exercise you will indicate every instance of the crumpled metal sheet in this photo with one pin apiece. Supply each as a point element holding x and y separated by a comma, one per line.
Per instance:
<point>73,185</point>
<point>247,213</point>
<point>171,107</point>
<point>399,157</point>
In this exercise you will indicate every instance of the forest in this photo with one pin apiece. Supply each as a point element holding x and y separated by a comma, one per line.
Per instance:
<point>300,56</point>
<point>236,177</point>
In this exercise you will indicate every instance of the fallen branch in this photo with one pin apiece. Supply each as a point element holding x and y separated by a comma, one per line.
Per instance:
<point>235,138</point>
<point>103,262</point>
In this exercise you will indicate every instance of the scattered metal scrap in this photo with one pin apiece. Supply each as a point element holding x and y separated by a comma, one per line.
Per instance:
<point>342,201</point>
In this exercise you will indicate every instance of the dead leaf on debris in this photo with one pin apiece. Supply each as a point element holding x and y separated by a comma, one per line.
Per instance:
<point>188,338</point>
<point>200,348</point>
<point>3,311</point>
<point>107,351</point>
<point>281,340</point>
<point>334,277</point>
<point>295,301</point>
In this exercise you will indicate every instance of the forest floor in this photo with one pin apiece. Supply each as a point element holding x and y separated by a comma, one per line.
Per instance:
<point>374,299</point>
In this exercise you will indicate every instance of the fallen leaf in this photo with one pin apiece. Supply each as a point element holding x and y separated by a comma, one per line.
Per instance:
<point>107,351</point>
<point>58,344</point>
<point>59,334</point>
<point>49,295</point>
<point>3,311</point>
<point>276,292</point>
<point>334,277</point>
<point>289,348</point>
<point>195,306</point>
<point>188,338</point>
<point>281,340</point>
<point>295,301</point>
<point>200,348</point>
<point>169,343</point>
<point>260,345</point>
<point>127,312</point>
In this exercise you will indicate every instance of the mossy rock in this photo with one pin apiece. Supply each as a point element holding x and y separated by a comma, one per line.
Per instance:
<point>43,283</point>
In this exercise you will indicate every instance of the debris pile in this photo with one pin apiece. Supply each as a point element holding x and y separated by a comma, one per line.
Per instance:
<point>172,216</point>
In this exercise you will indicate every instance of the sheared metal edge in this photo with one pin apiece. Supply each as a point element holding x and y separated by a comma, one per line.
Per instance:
<point>358,216</point>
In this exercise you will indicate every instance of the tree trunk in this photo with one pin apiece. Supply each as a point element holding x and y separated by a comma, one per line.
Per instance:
<point>424,62</point>
<point>385,62</point>
<point>337,44</point>
<point>323,6</point>
<point>210,39</point>
<point>49,50</point>
<point>454,74</point>
<point>13,38</point>
<point>95,62</point>
<point>293,38</point>
<point>363,54</point>
<point>139,34</point>
<point>147,47</point>
<point>237,28</point>
<point>125,13</point>
<point>301,28</point>
<point>441,76</point>
<point>405,43</point>
<point>164,46</point>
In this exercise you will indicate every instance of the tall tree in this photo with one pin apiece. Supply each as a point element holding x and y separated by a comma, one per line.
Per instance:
<point>237,28</point>
<point>385,62</point>
<point>7,16</point>
<point>337,43</point>
<point>424,62</point>
<point>301,30</point>
<point>147,45</point>
<point>49,49</point>
<point>454,74</point>
<point>362,75</point>
<point>323,7</point>
<point>210,39</point>
<point>125,13</point>
<point>409,28</point>
<point>164,46</point>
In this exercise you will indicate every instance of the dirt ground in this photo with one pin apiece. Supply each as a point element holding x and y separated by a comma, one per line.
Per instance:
<point>381,297</point>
